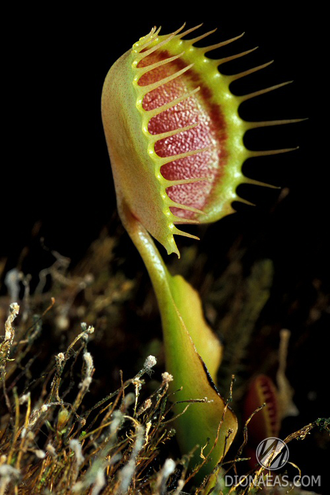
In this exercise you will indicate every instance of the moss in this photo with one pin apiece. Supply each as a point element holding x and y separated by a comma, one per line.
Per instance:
<point>71,420</point>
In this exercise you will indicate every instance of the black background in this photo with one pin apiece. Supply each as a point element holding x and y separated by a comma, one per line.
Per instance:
<point>56,159</point>
<point>55,167</point>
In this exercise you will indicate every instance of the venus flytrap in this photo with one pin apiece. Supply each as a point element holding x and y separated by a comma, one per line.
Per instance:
<point>175,140</point>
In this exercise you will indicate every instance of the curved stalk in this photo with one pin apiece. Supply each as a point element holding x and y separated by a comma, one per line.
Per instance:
<point>193,354</point>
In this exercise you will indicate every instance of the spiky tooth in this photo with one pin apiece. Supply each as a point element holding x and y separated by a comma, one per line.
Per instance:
<point>172,247</point>
<point>245,201</point>
<point>171,104</point>
<point>270,123</point>
<point>174,204</point>
<point>164,135</point>
<point>161,82</point>
<point>201,37</point>
<point>184,234</point>
<point>254,182</point>
<point>179,156</point>
<point>209,48</point>
<point>180,182</point>
<point>271,152</point>
<point>144,42</point>
<point>178,220</point>
<point>234,57</point>
<point>188,31</point>
<point>263,91</point>
<point>143,70</point>
<point>166,40</point>
<point>245,73</point>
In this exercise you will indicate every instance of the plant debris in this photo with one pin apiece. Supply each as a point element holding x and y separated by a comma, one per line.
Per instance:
<point>61,431</point>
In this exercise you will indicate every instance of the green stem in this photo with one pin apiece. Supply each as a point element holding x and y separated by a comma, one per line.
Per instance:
<point>154,263</point>
<point>189,344</point>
